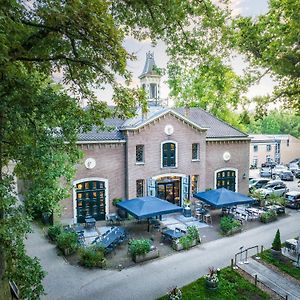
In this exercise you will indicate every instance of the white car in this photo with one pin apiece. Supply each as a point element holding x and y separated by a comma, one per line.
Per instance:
<point>278,169</point>
<point>275,187</point>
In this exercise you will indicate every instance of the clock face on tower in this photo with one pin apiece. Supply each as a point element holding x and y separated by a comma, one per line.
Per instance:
<point>90,163</point>
<point>169,130</point>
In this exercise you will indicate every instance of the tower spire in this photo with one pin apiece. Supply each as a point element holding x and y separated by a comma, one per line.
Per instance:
<point>150,80</point>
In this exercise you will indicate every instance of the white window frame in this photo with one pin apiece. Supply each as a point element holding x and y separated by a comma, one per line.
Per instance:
<point>82,180</point>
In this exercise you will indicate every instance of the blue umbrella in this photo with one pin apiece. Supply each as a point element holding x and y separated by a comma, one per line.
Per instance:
<point>223,198</point>
<point>148,207</point>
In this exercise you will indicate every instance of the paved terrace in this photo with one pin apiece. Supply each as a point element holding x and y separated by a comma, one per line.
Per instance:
<point>151,279</point>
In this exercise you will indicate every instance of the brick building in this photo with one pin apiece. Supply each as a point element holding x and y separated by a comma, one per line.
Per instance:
<point>280,148</point>
<point>168,152</point>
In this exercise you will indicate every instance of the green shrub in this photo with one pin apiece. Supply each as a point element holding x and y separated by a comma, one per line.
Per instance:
<point>193,232</point>
<point>92,257</point>
<point>116,200</point>
<point>228,223</point>
<point>268,216</point>
<point>54,231</point>
<point>186,241</point>
<point>67,241</point>
<point>276,245</point>
<point>139,247</point>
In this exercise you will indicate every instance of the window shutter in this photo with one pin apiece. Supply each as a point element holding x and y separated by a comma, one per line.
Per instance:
<point>151,187</point>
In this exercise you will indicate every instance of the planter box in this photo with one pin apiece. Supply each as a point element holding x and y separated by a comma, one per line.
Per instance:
<point>178,247</point>
<point>212,286</point>
<point>234,230</point>
<point>276,254</point>
<point>150,255</point>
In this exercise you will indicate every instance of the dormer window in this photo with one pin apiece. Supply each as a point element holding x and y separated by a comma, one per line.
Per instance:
<point>169,154</point>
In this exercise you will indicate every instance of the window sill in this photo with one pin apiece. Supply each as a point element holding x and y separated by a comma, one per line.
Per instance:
<point>169,167</point>
<point>195,159</point>
<point>139,163</point>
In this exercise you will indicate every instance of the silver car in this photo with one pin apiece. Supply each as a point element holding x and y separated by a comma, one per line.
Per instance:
<point>277,187</point>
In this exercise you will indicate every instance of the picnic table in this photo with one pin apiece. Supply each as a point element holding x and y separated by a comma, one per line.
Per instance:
<point>90,222</point>
<point>291,244</point>
<point>111,238</point>
<point>113,218</point>
<point>172,234</point>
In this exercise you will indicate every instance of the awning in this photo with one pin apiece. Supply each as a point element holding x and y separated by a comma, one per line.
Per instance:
<point>148,207</point>
<point>223,198</point>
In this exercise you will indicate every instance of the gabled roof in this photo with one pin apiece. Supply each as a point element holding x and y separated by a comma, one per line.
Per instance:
<point>154,113</point>
<point>216,127</point>
<point>197,117</point>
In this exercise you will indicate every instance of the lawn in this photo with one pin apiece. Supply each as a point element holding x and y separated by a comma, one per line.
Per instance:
<point>232,286</point>
<point>284,264</point>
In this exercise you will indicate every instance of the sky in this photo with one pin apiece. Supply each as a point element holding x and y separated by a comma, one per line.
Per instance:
<point>251,8</point>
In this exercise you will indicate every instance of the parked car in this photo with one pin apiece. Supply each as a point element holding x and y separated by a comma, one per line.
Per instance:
<point>278,169</point>
<point>275,187</point>
<point>265,172</point>
<point>296,173</point>
<point>293,199</point>
<point>257,183</point>
<point>269,164</point>
<point>296,161</point>
<point>286,175</point>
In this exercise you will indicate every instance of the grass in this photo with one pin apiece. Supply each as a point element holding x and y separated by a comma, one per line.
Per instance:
<point>284,264</point>
<point>232,286</point>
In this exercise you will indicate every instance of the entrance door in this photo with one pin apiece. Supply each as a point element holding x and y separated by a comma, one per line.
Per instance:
<point>226,179</point>
<point>90,200</point>
<point>169,190</point>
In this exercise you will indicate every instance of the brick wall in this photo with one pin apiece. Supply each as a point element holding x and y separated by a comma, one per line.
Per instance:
<point>110,165</point>
<point>239,151</point>
<point>152,136</point>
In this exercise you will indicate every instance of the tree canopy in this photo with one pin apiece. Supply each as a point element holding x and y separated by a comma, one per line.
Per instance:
<point>81,42</point>
<point>271,41</point>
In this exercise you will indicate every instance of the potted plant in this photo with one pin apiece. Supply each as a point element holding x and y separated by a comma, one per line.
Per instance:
<point>229,225</point>
<point>175,294</point>
<point>91,257</point>
<point>211,279</point>
<point>121,212</point>
<point>276,245</point>
<point>189,240</point>
<point>67,242</point>
<point>268,216</point>
<point>141,250</point>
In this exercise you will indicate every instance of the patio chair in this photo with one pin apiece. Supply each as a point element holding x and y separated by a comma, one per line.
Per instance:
<point>207,219</point>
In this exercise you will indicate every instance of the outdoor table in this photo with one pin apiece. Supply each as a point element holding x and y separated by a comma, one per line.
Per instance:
<point>113,218</point>
<point>291,244</point>
<point>90,222</point>
<point>113,236</point>
<point>172,234</point>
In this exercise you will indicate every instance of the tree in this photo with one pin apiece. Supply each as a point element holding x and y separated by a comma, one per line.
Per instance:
<point>276,122</point>
<point>276,245</point>
<point>271,41</point>
<point>82,41</point>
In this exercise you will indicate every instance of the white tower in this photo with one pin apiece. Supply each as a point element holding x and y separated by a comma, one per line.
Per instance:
<point>150,80</point>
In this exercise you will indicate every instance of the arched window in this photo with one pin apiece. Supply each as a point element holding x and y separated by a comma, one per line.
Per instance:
<point>169,154</point>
